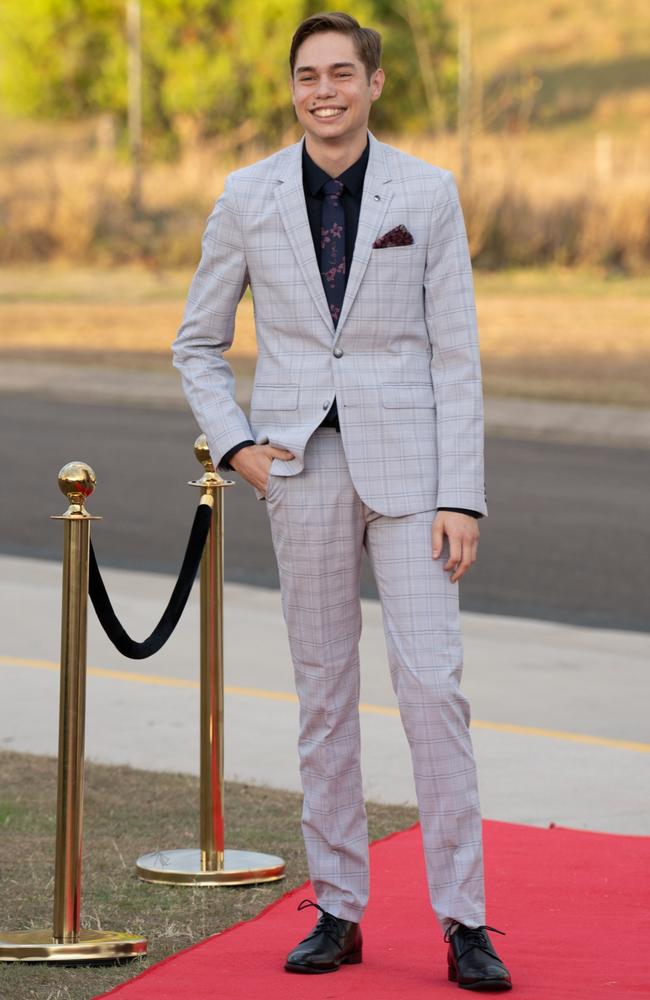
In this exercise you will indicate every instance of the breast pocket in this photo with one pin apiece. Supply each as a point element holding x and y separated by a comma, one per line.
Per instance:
<point>401,265</point>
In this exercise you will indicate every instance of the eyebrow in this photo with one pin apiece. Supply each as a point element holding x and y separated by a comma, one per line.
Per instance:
<point>312,69</point>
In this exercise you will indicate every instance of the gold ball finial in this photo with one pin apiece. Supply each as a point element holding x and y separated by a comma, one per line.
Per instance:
<point>210,478</point>
<point>202,453</point>
<point>77,482</point>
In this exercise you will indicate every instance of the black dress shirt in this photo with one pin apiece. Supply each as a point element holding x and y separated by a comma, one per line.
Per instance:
<point>313,179</point>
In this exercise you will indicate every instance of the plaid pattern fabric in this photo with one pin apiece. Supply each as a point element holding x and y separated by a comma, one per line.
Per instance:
<point>402,361</point>
<point>319,526</point>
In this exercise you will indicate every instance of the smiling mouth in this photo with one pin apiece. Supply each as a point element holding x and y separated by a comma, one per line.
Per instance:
<point>325,113</point>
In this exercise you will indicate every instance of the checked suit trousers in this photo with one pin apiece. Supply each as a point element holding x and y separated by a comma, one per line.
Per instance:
<point>319,527</point>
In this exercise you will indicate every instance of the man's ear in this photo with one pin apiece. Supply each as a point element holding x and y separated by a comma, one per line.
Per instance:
<point>377,81</point>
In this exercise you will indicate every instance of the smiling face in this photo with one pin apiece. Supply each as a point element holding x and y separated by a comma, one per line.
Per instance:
<point>331,91</point>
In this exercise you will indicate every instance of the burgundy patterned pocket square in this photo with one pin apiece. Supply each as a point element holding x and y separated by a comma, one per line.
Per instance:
<point>397,237</point>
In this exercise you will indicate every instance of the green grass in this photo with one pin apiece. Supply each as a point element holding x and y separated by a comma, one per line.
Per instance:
<point>127,813</point>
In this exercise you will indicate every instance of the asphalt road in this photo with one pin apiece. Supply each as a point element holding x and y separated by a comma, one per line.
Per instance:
<point>567,538</point>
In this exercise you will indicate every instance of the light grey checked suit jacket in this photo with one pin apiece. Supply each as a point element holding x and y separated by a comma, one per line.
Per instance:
<point>408,378</point>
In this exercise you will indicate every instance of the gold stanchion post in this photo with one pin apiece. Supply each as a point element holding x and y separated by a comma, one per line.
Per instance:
<point>211,864</point>
<point>66,941</point>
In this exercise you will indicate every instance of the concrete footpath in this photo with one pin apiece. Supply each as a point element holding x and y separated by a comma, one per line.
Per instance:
<point>560,723</point>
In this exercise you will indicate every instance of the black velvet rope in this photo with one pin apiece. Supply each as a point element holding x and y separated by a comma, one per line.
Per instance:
<point>109,620</point>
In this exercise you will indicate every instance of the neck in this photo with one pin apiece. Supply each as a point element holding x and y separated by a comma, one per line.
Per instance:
<point>334,157</point>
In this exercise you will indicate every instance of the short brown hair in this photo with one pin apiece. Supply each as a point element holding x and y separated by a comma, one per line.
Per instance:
<point>367,41</point>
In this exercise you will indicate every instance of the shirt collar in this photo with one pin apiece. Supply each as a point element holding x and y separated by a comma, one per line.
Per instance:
<point>314,176</point>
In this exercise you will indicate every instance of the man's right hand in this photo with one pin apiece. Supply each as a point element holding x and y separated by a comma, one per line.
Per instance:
<point>254,463</point>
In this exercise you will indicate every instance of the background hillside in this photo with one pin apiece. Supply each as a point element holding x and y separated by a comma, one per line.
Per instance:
<point>589,61</point>
<point>553,166</point>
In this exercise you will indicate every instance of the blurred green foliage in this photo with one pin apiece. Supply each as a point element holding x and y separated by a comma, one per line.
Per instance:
<point>210,66</point>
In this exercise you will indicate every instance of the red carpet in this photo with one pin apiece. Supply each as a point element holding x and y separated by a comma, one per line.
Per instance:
<point>575,906</point>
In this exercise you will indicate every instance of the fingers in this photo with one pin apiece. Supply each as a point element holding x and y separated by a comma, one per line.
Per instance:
<point>437,538</point>
<point>455,551</point>
<point>463,538</point>
<point>461,557</point>
<point>254,463</point>
<point>279,452</point>
<point>271,451</point>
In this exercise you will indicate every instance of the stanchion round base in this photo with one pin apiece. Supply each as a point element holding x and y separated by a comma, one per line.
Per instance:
<point>92,946</point>
<point>183,867</point>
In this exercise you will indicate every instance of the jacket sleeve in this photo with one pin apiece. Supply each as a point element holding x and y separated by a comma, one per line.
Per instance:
<point>208,327</point>
<point>450,314</point>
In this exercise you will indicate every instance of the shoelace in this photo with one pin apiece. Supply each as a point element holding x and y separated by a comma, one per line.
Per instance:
<point>327,922</point>
<point>473,937</point>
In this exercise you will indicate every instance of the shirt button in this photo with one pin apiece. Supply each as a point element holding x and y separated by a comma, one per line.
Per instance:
<point>326,404</point>
<point>338,353</point>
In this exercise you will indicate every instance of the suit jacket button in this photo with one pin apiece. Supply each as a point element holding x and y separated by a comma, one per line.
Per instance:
<point>338,353</point>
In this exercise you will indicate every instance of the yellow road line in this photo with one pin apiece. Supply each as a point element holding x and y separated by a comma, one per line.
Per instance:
<point>246,692</point>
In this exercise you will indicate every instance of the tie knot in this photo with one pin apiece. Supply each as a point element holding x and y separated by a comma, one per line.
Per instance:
<point>333,189</point>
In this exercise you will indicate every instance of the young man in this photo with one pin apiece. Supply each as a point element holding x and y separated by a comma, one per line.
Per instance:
<point>366,429</point>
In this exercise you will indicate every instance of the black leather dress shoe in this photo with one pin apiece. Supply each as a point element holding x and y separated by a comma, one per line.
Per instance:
<point>473,962</point>
<point>333,942</point>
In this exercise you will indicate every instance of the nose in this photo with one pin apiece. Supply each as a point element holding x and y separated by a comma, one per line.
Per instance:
<point>325,87</point>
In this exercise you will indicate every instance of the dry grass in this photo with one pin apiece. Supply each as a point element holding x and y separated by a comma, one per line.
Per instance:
<point>565,197</point>
<point>128,812</point>
<point>124,327</point>
<point>558,334</point>
<point>582,347</point>
<point>515,32</point>
<point>553,197</point>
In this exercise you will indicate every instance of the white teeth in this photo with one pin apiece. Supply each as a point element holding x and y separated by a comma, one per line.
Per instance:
<point>328,112</point>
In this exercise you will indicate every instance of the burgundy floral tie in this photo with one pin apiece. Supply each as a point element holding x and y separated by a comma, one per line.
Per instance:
<point>332,247</point>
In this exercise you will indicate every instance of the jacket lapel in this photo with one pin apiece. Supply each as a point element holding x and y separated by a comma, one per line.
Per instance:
<point>290,197</point>
<point>374,203</point>
<point>375,200</point>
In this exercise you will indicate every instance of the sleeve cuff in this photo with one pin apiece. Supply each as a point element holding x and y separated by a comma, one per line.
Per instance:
<point>462,510</point>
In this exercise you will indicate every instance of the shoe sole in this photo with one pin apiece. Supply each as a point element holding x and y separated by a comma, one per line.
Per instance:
<point>482,984</point>
<point>353,959</point>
